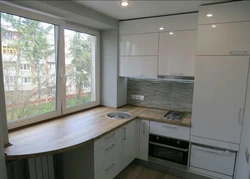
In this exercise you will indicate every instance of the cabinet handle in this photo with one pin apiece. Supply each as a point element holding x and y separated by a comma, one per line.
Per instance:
<point>110,136</point>
<point>240,116</point>
<point>125,133</point>
<point>144,125</point>
<point>176,74</point>
<point>110,147</point>
<point>171,127</point>
<point>109,167</point>
<point>138,76</point>
<point>238,52</point>
<point>218,152</point>
<point>169,147</point>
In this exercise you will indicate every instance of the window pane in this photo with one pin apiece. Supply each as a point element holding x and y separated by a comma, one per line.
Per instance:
<point>29,49</point>
<point>80,68</point>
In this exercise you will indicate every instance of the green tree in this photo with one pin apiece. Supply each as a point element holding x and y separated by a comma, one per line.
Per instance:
<point>31,44</point>
<point>80,69</point>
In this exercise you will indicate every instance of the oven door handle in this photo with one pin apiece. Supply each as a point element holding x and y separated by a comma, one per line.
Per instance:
<point>168,146</point>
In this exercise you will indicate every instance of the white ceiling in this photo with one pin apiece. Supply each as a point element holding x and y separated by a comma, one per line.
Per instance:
<point>137,9</point>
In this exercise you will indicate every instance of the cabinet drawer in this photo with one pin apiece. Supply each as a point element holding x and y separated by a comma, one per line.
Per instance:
<point>216,160</point>
<point>224,39</point>
<point>110,170</point>
<point>226,12</point>
<point>168,130</point>
<point>107,153</point>
<point>99,143</point>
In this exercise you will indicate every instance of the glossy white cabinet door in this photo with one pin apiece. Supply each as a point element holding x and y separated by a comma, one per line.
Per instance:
<point>139,44</point>
<point>140,66</point>
<point>219,97</point>
<point>129,143</point>
<point>177,53</point>
<point>224,39</point>
<point>226,12</point>
<point>143,139</point>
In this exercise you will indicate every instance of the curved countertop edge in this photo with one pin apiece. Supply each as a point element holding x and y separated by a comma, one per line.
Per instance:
<point>141,115</point>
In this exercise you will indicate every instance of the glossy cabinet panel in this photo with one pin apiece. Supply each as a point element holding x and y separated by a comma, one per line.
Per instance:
<point>139,44</point>
<point>219,97</point>
<point>138,67</point>
<point>177,53</point>
<point>225,12</point>
<point>129,143</point>
<point>224,39</point>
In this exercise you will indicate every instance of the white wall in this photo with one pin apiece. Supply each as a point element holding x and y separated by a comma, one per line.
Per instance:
<point>243,168</point>
<point>113,88</point>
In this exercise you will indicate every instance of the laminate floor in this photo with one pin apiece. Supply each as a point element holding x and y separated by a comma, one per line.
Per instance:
<point>138,172</point>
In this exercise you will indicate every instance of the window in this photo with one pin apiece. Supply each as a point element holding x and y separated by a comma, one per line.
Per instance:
<point>31,47</point>
<point>25,67</point>
<point>42,77</point>
<point>80,69</point>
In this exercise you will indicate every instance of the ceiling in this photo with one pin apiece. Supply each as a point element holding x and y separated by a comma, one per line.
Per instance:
<point>137,9</point>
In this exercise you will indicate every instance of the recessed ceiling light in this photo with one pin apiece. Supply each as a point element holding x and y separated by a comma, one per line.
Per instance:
<point>209,15</point>
<point>124,3</point>
<point>161,28</point>
<point>213,26</point>
<point>171,33</point>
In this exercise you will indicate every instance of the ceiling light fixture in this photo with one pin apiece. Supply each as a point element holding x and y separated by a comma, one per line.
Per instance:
<point>209,15</point>
<point>124,3</point>
<point>161,28</point>
<point>213,26</point>
<point>171,33</point>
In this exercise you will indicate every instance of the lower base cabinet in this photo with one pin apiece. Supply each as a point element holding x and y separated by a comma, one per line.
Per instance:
<point>116,150</point>
<point>129,143</point>
<point>143,139</point>
<point>110,170</point>
<point>218,163</point>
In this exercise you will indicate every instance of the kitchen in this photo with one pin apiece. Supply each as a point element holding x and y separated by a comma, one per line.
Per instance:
<point>169,96</point>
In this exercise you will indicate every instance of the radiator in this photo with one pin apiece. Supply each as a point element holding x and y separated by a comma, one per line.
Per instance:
<point>41,167</point>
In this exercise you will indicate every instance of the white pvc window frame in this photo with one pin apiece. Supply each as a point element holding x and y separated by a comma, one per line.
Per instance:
<point>59,24</point>
<point>86,30</point>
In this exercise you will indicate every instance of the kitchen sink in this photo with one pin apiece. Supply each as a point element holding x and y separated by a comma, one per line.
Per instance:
<point>118,115</point>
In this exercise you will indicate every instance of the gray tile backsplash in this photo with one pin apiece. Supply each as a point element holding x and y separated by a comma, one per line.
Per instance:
<point>164,94</point>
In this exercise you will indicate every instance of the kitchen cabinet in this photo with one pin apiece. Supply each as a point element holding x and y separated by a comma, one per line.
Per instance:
<point>219,97</point>
<point>169,130</point>
<point>224,39</point>
<point>225,12</point>
<point>129,143</point>
<point>138,67</point>
<point>143,139</point>
<point>149,25</point>
<point>139,44</point>
<point>213,162</point>
<point>177,53</point>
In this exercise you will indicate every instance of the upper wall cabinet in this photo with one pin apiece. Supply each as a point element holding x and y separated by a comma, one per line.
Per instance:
<point>139,44</point>
<point>169,23</point>
<point>225,12</point>
<point>224,39</point>
<point>177,53</point>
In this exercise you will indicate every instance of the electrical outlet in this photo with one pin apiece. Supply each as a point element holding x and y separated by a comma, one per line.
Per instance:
<point>137,97</point>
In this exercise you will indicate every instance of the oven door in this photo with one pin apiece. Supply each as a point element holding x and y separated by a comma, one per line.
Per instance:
<point>168,153</point>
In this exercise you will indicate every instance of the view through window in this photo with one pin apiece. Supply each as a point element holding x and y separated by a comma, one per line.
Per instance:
<point>29,66</point>
<point>80,55</point>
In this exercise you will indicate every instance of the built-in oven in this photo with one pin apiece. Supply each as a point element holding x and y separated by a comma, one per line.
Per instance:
<point>168,151</point>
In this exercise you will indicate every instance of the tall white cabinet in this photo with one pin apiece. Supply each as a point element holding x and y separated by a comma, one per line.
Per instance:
<point>219,97</point>
<point>221,78</point>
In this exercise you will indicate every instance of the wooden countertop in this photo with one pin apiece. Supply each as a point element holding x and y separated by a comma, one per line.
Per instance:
<point>67,132</point>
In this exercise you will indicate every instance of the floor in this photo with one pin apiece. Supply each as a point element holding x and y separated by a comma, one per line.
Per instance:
<point>135,171</point>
